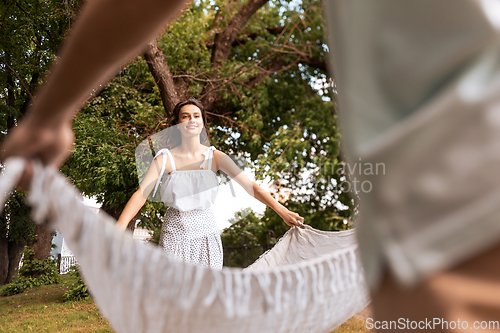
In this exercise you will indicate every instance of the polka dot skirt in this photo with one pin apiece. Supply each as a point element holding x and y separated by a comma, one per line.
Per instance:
<point>192,236</point>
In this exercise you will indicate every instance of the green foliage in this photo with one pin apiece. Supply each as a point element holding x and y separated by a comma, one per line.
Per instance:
<point>35,268</point>
<point>246,239</point>
<point>155,237</point>
<point>33,273</point>
<point>15,222</point>
<point>21,284</point>
<point>30,34</point>
<point>246,228</point>
<point>151,218</point>
<point>105,166</point>
<point>78,290</point>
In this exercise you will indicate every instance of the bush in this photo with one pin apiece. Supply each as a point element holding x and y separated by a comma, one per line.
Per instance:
<point>78,290</point>
<point>37,268</point>
<point>33,273</point>
<point>22,284</point>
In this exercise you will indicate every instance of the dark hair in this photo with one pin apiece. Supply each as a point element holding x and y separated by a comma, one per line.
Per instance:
<point>175,139</point>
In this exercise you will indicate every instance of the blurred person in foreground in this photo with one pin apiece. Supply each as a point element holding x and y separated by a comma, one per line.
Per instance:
<point>419,91</point>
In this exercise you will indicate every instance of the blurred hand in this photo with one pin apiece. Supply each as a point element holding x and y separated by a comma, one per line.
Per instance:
<point>51,144</point>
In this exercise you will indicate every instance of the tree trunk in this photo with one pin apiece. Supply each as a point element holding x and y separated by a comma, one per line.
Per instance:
<point>4,260</point>
<point>163,77</point>
<point>43,242</point>
<point>10,254</point>
<point>15,250</point>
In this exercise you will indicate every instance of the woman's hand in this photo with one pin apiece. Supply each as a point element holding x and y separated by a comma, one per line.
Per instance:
<point>291,218</point>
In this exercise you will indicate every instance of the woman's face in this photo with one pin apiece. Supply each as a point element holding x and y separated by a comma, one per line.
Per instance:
<point>190,120</point>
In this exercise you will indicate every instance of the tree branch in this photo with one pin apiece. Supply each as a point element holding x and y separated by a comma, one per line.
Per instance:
<point>236,123</point>
<point>32,87</point>
<point>158,66</point>
<point>277,64</point>
<point>18,77</point>
<point>314,62</point>
<point>224,40</point>
<point>272,67</point>
<point>223,43</point>
<point>242,40</point>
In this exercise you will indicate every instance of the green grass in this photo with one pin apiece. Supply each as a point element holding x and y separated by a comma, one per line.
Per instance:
<point>42,310</point>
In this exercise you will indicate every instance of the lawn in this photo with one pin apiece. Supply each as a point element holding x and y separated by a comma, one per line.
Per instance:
<point>42,310</point>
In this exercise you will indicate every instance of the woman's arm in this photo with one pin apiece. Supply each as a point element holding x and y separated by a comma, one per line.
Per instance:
<point>225,164</point>
<point>138,199</point>
<point>133,206</point>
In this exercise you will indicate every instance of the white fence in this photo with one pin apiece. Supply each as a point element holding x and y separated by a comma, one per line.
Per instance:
<point>65,262</point>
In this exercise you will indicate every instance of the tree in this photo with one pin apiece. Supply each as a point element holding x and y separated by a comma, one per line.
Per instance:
<point>246,239</point>
<point>259,68</point>
<point>16,231</point>
<point>30,33</point>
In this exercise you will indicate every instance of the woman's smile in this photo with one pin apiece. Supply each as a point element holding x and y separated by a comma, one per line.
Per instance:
<point>190,118</point>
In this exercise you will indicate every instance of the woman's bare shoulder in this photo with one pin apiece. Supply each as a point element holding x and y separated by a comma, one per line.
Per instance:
<point>219,153</point>
<point>158,160</point>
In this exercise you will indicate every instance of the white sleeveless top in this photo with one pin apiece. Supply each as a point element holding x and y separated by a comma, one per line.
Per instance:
<point>188,189</point>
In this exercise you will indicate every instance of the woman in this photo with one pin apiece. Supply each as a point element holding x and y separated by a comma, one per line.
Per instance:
<point>189,185</point>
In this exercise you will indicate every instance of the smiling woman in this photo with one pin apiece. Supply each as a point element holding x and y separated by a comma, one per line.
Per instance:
<point>183,173</point>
